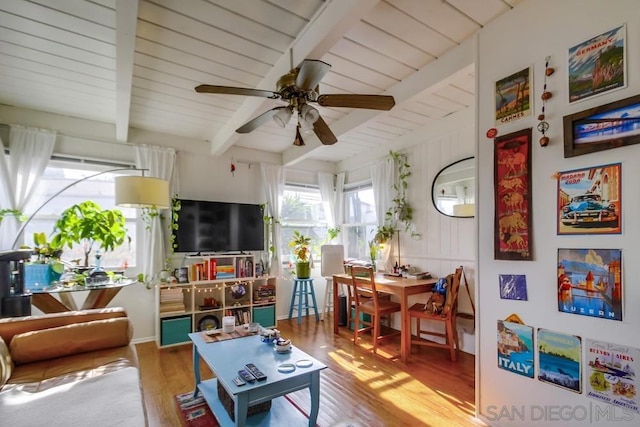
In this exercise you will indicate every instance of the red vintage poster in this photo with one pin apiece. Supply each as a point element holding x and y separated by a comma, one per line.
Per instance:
<point>512,183</point>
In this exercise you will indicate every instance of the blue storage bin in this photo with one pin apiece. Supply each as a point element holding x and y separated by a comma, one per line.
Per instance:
<point>39,276</point>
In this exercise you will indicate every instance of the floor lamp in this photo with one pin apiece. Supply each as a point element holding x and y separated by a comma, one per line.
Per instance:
<point>131,192</point>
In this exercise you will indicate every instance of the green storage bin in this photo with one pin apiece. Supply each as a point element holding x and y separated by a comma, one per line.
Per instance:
<point>364,316</point>
<point>265,315</point>
<point>175,330</point>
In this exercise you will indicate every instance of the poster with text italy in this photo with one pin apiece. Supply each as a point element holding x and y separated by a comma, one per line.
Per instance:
<point>611,373</point>
<point>515,348</point>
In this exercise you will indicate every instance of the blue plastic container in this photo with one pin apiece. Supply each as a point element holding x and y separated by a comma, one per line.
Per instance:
<point>39,276</point>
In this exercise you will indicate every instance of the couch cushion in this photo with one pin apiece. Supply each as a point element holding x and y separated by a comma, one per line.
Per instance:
<point>6,365</point>
<point>52,343</point>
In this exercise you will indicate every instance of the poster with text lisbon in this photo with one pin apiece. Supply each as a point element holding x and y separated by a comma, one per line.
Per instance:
<point>597,65</point>
<point>560,359</point>
<point>590,282</point>
<point>610,375</point>
<point>513,97</point>
<point>515,348</point>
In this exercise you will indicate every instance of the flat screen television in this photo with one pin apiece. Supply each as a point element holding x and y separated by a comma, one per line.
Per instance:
<point>218,227</point>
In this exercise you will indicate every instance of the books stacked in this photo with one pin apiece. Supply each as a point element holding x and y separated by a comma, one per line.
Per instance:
<point>171,301</point>
<point>226,272</point>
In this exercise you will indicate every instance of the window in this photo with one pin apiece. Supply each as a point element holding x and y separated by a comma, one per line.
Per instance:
<point>100,189</point>
<point>360,222</point>
<point>302,210</point>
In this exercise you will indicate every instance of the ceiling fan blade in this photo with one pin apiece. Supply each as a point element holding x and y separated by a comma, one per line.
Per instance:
<point>371,102</point>
<point>229,90</point>
<point>323,132</point>
<point>310,73</point>
<point>258,121</point>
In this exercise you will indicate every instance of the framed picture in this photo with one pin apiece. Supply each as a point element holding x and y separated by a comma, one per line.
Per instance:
<point>590,282</point>
<point>515,348</point>
<point>513,97</point>
<point>590,200</point>
<point>560,359</point>
<point>513,286</point>
<point>600,128</point>
<point>597,65</point>
<point>512,187</point>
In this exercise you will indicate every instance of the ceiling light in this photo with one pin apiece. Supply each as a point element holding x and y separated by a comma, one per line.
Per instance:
<point>305,125</point>
<point>283,116</point>
<point>309,114</point>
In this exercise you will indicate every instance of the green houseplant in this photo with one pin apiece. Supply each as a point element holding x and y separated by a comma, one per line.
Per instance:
<point>300,245</point>
<point>89,224</point>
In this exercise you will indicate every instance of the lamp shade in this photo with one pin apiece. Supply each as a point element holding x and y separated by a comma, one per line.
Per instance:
<point>464,210</point>
<point>142,192</point>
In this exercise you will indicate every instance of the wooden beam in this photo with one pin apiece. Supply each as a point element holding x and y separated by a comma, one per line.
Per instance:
<point>126,20</point>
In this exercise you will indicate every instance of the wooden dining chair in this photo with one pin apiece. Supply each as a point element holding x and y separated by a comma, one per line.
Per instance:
<point>368,300</point>
<point>448,316</point>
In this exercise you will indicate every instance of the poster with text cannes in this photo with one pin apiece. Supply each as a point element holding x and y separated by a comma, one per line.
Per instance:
<point>559,359</point>
<point>590,282</point>
<point>611,373</point>
<point>515,348</point>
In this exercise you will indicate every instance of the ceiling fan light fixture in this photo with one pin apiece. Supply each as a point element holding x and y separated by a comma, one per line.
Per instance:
<point>305,126</point>
<point>309,114</point>
<point>283,116</point>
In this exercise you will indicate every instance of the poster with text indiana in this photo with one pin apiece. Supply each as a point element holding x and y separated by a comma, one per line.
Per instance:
<point>559,359</point>
<point>611,373</point>
<point>590,282</point>
<point>515,348</point>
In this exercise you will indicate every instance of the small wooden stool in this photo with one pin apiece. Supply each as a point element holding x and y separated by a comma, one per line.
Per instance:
<point>302,288</point>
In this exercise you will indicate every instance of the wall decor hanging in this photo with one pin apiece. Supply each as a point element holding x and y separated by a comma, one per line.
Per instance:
<point>601,128</point>
<point>597,65</point>
<point>513,286</point>
<point>590,200</point>
<point>560,359</point>
<point>513,97</point>
<point>610,373</point>
<point>543,125</point>
<point>515,348</point>
<point>512,193</point>
<point>590,282</point>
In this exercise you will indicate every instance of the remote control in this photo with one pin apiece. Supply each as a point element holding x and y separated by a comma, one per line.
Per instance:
<point>246,375</point>
<point>256,372</point>
<point>239,381</point>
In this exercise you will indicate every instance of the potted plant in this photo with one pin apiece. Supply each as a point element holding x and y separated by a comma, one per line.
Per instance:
<point>46,267</point>
<point>89,224</point>
<point>300,245</point>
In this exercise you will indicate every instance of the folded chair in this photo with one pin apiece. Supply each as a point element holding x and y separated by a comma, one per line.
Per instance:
<point>374,305</point>
<point>447,316</point>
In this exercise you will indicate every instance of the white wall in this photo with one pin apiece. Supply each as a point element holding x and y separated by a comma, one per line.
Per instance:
<point>523,37</point>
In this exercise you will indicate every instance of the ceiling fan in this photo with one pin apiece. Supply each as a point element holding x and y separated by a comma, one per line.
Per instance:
<point>300,87</point>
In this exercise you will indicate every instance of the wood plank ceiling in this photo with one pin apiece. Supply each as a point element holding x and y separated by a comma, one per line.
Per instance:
<point>135,64</point>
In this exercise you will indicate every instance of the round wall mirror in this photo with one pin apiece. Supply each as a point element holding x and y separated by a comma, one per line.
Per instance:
<point>454,188</point>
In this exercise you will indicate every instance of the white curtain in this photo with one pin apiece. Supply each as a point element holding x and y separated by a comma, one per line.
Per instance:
<point>338,209</point>
<point>325,182</point>
<point>382,178</point>
<point>29,152</point>
<point>273,186</point>
<point>160,162</point>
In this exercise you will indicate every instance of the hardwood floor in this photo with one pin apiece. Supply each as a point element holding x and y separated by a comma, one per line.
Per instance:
<point>374,390</point>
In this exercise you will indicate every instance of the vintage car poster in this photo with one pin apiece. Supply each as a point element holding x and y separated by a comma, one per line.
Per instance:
<point>512,182</point>
<point>515,348</point>
<point>560,359</point>
<point>610,375</point>
<point>513,97</point>
<point>590,282</point>
<point>513,286</point>
<point>597,65</point>
<point>590,200</point>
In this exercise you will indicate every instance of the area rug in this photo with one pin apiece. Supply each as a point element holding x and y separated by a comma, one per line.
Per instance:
<point>196,413</point>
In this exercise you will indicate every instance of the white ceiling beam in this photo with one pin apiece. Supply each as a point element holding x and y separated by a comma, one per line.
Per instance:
<point>332,22</point>
<point>126,20</point>
<point>426,78</point>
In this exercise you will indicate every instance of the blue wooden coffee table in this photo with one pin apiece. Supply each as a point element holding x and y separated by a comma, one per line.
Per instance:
<point>226,358</point>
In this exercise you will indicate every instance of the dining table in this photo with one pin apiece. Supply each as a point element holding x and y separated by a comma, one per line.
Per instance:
<point>399,286</point>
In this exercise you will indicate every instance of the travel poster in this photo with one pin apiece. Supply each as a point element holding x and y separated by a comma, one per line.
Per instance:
<point>590,282</point>
<point>597,65</point>
<point>559,359</point>
<point>513,97</point>
<point>515,348</point>
<point>513,286</point>
<point>610,375</point>
<point>590,200</point>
